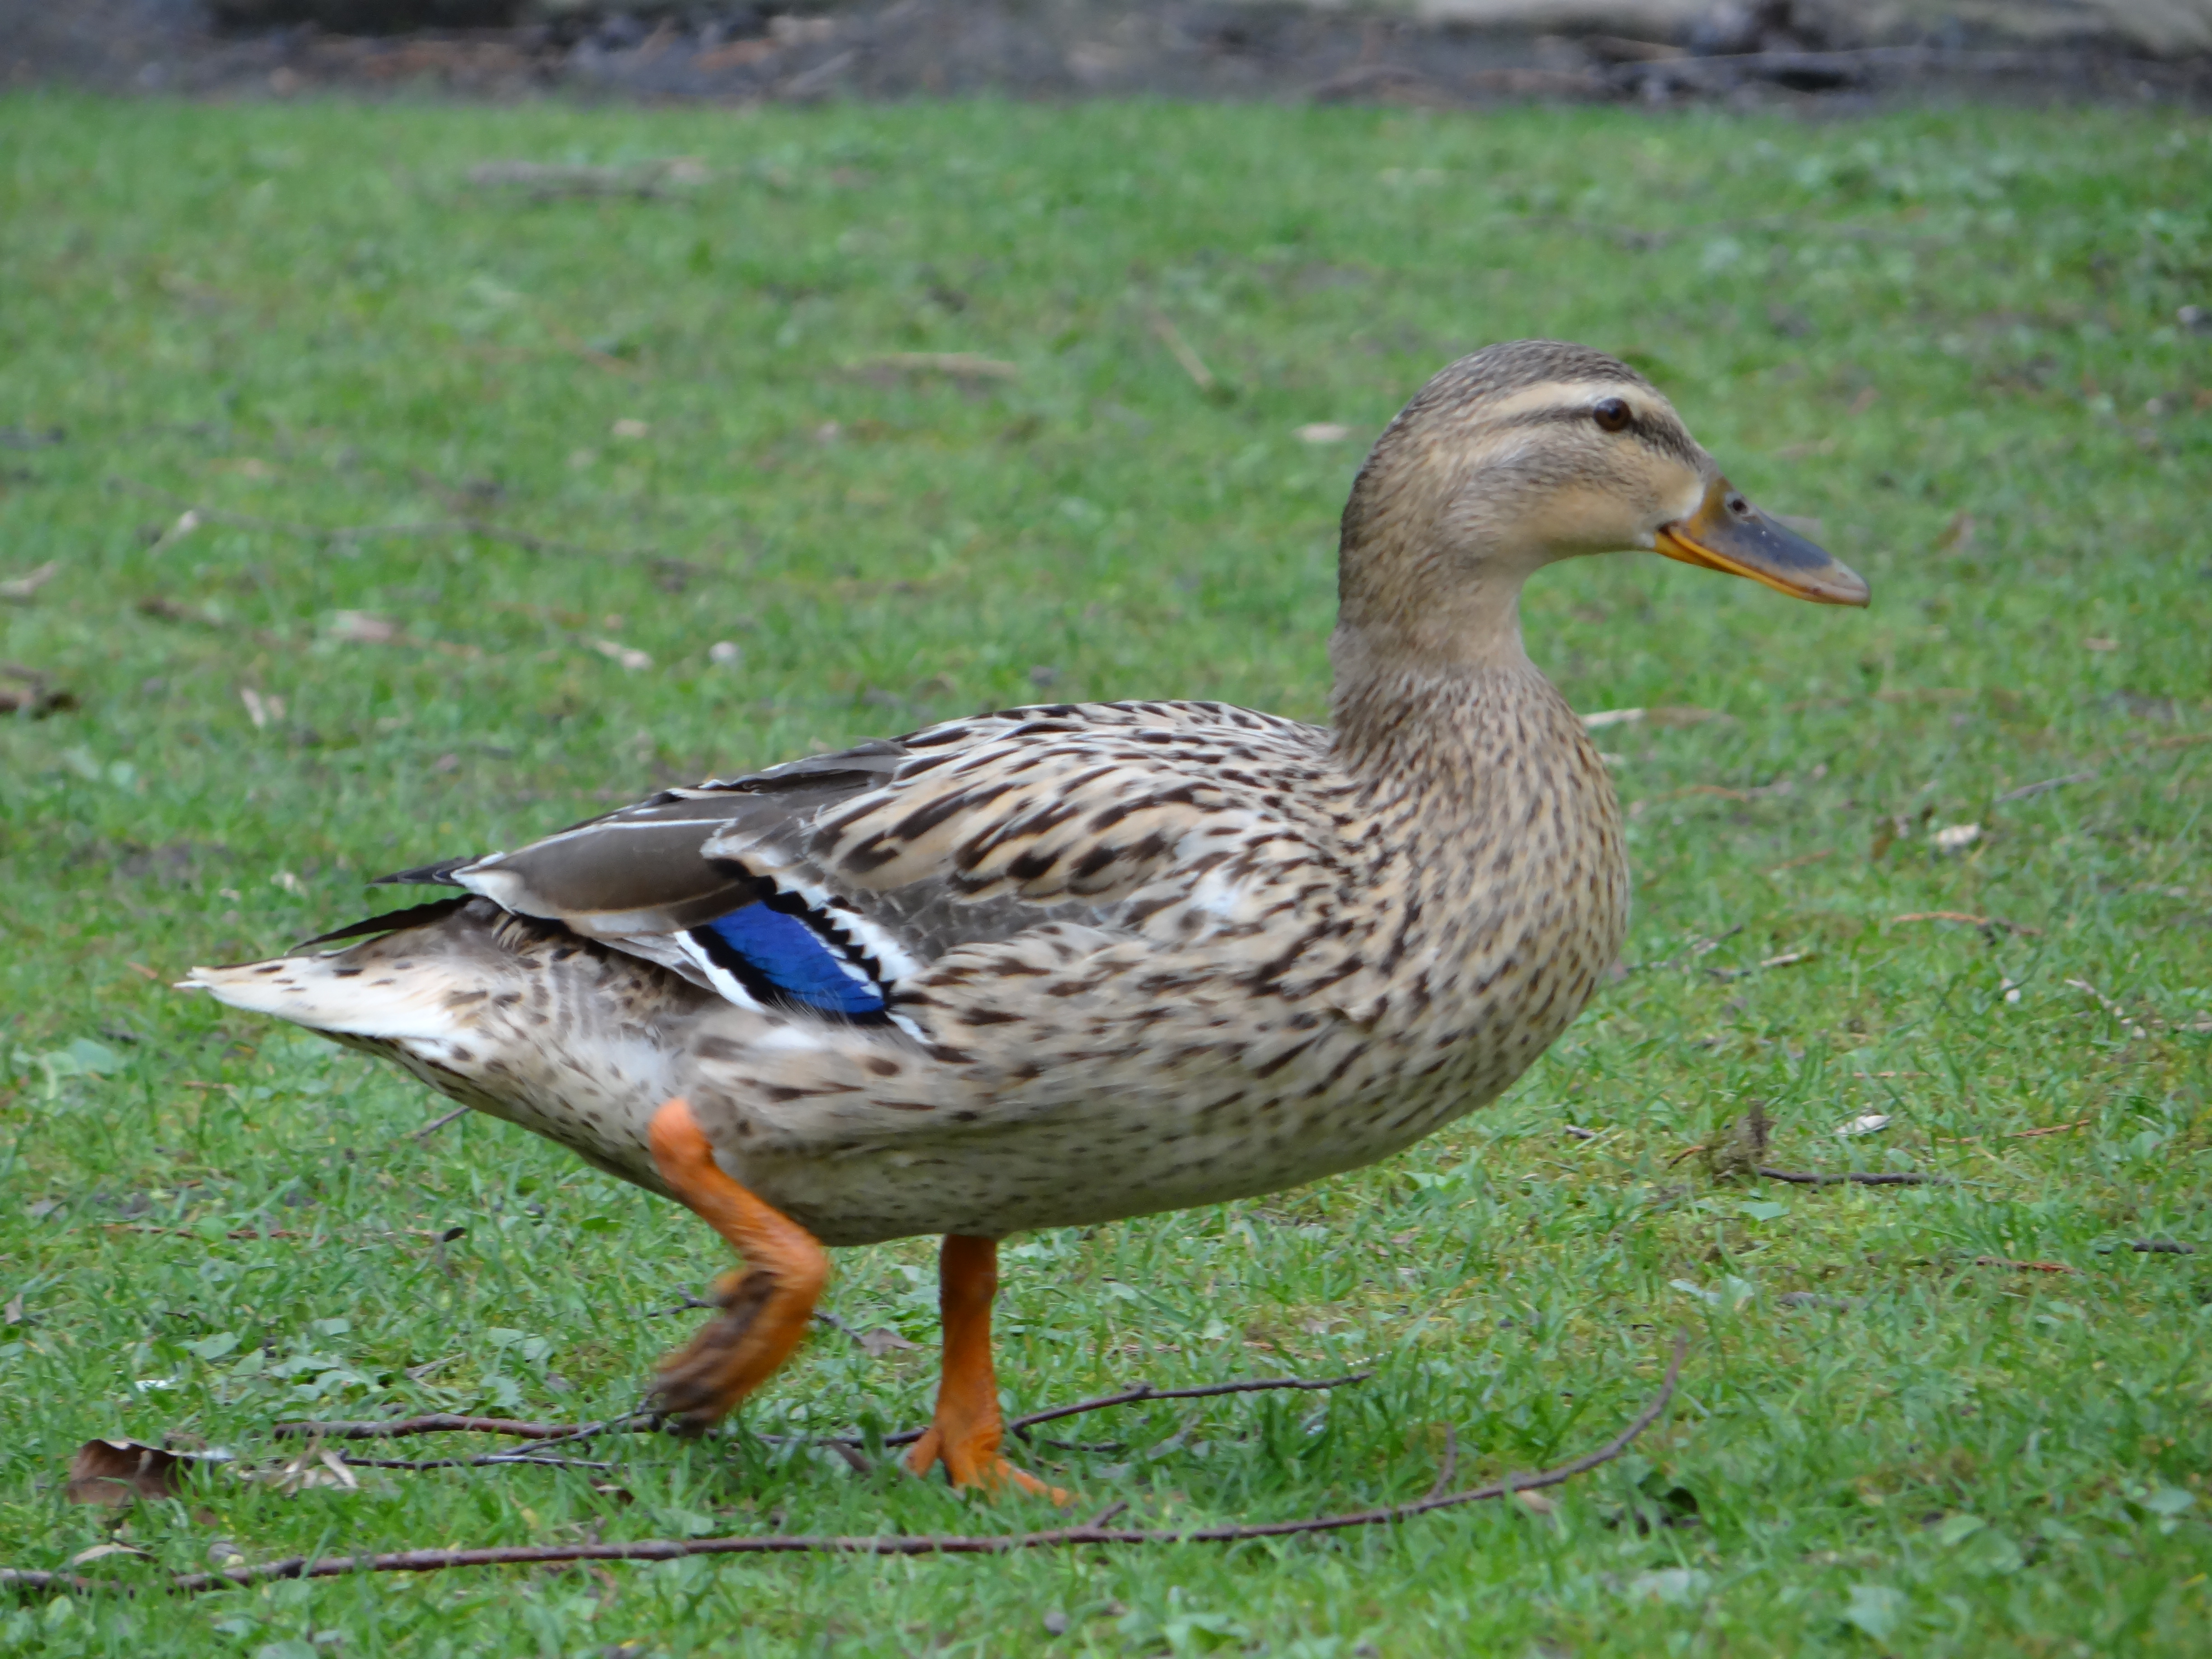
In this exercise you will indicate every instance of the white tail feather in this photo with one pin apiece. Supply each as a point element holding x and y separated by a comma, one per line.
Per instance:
<point>333,994</point>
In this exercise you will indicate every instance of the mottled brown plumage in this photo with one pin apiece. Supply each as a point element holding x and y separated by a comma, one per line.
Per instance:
<point>1064,964</point>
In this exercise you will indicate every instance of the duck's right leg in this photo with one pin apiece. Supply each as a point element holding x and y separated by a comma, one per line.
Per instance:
<point>965,1431</point>
<point>766,1306</point>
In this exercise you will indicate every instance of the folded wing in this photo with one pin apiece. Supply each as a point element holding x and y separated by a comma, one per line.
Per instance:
<point>823,886</point>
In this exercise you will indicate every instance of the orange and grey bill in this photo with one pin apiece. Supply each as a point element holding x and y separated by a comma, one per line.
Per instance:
<point>1727,532</point>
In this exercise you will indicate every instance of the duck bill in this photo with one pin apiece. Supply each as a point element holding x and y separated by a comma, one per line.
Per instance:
<point>1727,532</point>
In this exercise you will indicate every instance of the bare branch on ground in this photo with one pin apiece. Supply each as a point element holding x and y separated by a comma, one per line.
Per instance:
<point>1855,1177</point>
<point>669,1549</point>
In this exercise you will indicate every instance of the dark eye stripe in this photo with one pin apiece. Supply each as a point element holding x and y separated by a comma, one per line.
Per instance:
<point>1662,435</point>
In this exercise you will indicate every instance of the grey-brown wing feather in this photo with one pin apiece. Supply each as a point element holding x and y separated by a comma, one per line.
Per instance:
<point>640,870</point>
<point>638,875</point>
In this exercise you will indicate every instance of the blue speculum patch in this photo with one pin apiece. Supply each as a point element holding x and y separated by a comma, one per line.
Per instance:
<point>790,956</point>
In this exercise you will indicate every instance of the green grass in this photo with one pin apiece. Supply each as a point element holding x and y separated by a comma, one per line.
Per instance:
<point>1951,337</point>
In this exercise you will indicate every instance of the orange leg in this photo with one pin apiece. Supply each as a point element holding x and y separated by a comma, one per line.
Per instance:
<point>964,1433</point>
<point>765,1307</point>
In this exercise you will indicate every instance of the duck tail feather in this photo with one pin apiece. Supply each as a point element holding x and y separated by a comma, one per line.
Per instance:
<point>415,985</point>
<point>390,921</point>
<point>440,874</point>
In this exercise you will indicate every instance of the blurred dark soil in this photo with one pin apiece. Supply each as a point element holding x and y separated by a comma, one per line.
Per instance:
<point>746,51</point>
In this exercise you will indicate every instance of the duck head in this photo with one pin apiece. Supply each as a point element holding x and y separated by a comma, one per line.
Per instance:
<point>1520,455</point>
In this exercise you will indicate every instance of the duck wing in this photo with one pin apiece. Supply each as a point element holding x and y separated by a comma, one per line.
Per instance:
<point>823,885</point>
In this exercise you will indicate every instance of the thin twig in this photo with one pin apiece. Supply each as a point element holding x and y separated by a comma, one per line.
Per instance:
<point>447,1423</point>
<point>432,1127</point>
<point>489,1460</point>
<point>670,1549</point>
<point>2024,1266</point>
<point>154,604</point>
<point>1184,353</point>
<point>957,365</point>
<point>1690,952</point>
<point>2136,1024</point>
<point>2016,1134</point>
<point>1986,923</point>
<point>24,588</point>
<point>1145,1391</point>
<point>2028,790</point>
<point>643,1422</point>
<point>822,1316</point>
<point>1449,1466</point>
<point>433,1423</point>
<point>686,1305</point>
<point>1858,1177</point>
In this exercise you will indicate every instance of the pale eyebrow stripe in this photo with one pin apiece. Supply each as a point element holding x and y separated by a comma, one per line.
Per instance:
<point>1550,394</point>
<point>1656,432</point>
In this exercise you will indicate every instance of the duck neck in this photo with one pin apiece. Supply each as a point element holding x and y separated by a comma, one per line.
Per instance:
<point>1410,686</point>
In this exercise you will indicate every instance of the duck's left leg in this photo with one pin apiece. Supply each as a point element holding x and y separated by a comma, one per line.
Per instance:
<point>965,1431</point>
<point>765,1307</point>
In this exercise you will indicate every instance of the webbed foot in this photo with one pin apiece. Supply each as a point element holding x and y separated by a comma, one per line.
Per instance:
<point>965,1431</point>
<point>766,1306</point>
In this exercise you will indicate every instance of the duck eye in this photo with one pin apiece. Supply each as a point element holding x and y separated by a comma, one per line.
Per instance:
<point>1611,414</point>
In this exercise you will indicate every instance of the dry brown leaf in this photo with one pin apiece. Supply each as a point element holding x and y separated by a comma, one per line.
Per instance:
<point>31,694</point>
<point>101,1552</point>
<point>1996,922</point>
<point>360,628</point>
<point>340,1475</point>
<point>39,700</point>
<point>26,585</point>
<point>1183,352</point>
<point>318,1466</point>
<point>958,365</point>
<point>1802,860</point>
<point>2024,1266</point>
<point>118,1473</point>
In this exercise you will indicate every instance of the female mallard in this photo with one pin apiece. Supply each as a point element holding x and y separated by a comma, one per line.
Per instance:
<point>1065,965</point>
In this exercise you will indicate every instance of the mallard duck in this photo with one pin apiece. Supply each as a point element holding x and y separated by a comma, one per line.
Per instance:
<point>1065,965</point>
